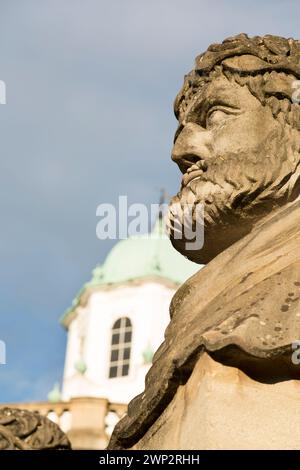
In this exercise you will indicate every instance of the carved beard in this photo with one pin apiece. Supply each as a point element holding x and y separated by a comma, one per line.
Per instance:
<point>235,193</point>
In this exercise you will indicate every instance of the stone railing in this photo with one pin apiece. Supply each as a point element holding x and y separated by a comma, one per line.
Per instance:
<point>87,421</point>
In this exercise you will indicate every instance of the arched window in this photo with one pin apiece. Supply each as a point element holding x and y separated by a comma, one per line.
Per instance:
<point>120,348</point>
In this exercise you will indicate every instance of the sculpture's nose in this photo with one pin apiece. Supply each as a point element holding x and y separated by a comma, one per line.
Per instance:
<point>192,145</point>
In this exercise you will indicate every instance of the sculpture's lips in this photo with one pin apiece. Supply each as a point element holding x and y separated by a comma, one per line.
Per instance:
<point>193,172</point>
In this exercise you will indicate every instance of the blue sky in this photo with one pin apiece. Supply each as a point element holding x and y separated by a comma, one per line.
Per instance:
<point>90,89</point>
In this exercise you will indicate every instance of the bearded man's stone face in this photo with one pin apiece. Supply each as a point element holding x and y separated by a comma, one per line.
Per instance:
<point>233,156</point>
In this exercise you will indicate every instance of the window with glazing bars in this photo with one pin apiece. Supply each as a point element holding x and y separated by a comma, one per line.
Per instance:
<point>120,348</point>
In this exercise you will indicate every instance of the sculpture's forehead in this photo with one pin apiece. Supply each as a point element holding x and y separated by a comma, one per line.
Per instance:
<point>219,91</point>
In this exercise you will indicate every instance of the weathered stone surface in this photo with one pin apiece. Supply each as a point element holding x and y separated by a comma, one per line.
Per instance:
<point>264,53</point>
<point>243,307</point>
<point>238,139</point>
<point>222,408</point>
<point>238,147</point>
<point>25,430</point>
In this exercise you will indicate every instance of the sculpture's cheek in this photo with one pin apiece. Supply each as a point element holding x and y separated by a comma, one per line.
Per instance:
<point>245,134</point>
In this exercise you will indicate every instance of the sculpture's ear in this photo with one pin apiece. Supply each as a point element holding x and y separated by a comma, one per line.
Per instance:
<point>276,83</point>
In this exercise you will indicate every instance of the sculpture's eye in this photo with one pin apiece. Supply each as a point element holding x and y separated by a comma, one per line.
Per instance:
<point>216,116</point>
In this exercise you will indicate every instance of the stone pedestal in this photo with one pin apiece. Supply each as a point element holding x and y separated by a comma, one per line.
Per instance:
<point>222,408</point>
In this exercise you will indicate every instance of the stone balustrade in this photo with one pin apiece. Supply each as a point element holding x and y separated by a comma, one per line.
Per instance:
<point>87,421</point>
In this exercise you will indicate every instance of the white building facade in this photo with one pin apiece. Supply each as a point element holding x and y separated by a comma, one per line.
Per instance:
<point>112,338</point>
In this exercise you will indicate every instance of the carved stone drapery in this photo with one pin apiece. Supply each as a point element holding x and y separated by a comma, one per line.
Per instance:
<point>25,430</point>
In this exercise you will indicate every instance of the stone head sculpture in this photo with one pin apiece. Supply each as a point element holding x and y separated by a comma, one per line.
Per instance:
<point>238,139</point>
<point>238,147</point>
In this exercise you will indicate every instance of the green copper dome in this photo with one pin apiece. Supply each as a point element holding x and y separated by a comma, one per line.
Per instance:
<point>138,257</point>
<point>143,256</point>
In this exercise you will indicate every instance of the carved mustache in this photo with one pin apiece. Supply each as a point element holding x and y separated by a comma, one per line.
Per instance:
<point>193,172</point>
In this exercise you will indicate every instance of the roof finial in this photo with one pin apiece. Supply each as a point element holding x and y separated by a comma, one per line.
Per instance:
<point>162,201</point>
